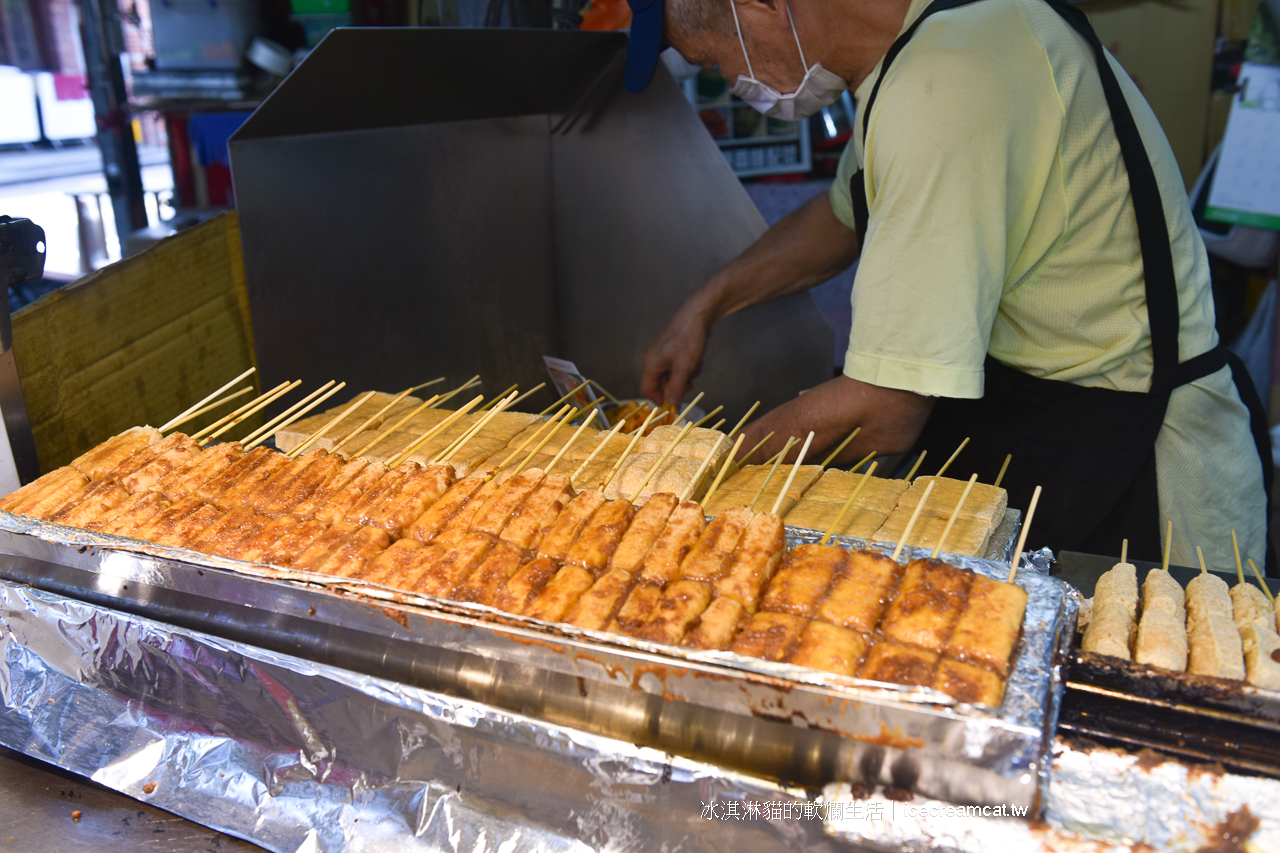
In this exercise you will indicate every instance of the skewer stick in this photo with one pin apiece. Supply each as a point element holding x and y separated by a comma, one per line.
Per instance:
<point>724,469</point>
<point>435,381</point>
<point>911,523</point>
<point>225,418</point>
<point>844,510</point>
<point>324,430</point>
<point>1005,467</point>
<point>1124,550</point>
<point>565,398</point>
<point>689,408</point>
<point>863,461</point>
<point>702,470</point>
<point>951,520</point>
<point>470,383</point>
<point>711,414</point>
<point>248,389</point>
<point>719,423</point>
<point>532,453</point>
<point>777,460</point>
<point>1022,537</point>
<point>1262,582</point>
<point>555,460</point>
<point>947,464</point>
<point>378,439</point>
<point>751,411</point>
<point>189,412</point>
<point>498,399</point>
<point>472,431</point>
<point>604,391</point>
<point>378,414</point>
<point>1235,547</point>
<point>1200,556</point>
<point>1168,544</point>
<point>289,411</point>
<point>635,439</point>
<point>537,433</point>
<point>841,446</point>
<point>436,430</point>
<point>527,394</point>
<point>295,416</point>
<point>916,467</point>
<point>661,459</point>
<point>752,451</point>
<point>786,487</point>
<point>271,398</point>
<point>608,436</point>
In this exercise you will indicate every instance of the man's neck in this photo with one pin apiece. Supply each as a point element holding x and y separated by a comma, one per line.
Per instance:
<point>858,33</point>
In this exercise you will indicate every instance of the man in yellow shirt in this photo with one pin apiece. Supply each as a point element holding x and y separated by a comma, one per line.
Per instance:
<point>1030,274</point>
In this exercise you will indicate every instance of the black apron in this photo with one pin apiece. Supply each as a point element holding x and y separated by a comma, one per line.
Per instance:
<point>1092,449</point>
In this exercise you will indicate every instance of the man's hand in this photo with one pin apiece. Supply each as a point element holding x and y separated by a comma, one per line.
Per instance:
<point>674,357</point>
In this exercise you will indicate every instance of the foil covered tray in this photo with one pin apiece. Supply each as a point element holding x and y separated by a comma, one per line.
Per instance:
<point>770,720</point>
<point>999,549</point>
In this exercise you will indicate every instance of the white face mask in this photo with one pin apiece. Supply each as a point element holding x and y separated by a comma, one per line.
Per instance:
<point>818,89</point>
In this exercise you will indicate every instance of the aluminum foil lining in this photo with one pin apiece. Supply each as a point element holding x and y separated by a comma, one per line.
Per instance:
<point>1099,800</point>
<point>297,756</point>
<point>999,548</point>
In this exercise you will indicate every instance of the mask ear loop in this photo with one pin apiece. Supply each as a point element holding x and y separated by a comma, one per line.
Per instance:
<point>794,35</point>
<point>733,7</point>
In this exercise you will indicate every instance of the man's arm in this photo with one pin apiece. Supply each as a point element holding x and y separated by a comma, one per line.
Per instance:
<point>806,248</point>
<point>891,420</point>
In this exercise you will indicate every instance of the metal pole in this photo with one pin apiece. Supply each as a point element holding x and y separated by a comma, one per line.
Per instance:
<point>103,49</point>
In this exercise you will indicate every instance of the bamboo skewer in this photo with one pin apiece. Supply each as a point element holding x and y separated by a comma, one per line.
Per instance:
<point>296,415</point>
<point>532,453</point>
<point>792,476</point>
<point>947,464</point>
<point>435,381</point>
<point>709,415</point>
<point>1022,537</point>
<point>378,439</point>
<point>724,469</point>
<point>537,434</point>
<point>718,423</point>
<point>911,523</point>
<point>702,470</point>
<point>375,416</point>
<point>916,466</point>
<point>436,430</point>
<point>752,451</point>
<point>743,422</point>
<point>527,394</point>
<point>470,383</point>
<point>844,510</point>
<point>1204,570</point>
<point>498,399</point>
<point>840,447</point>
<point>951,520</point>
<point>254,409</point>
<point>1124,550</point>
<point>1005,467</point>
<point>1168,544</point>
<point>1235,548</point>
<point>289,411</point>
<point>189,412</point>
<point>605,439</point>
<point>555,460</point>
<point>565,398</point>
<point>1262,582</point>
<point>635,439</point>
<point>661,459</point>
<point>777,460</point>
<point>324,430</point>
<point>225,418</point>
<point>689,408</point>
<point>863,461</point>
<point>471,432</point>
<point>248,389</point>
<point>604,391</point>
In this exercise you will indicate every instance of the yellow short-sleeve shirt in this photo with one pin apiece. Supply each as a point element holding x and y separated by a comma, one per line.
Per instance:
<point>1000,222</point>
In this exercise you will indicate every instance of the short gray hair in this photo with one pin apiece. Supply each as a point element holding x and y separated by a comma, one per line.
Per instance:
<point>689,17</point>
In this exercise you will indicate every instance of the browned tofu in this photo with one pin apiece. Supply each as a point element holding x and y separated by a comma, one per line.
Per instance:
<point>829,648</point>
<point>457,560</point>
<point>860,593</point>
<point>125,471</point>
<point>417,492</point>
<point>70,491</point>
<point>969,683</point>
<point>56,486</point>
<point>100,498</point>
<point>684,528</point>
<point>460,525</point>
<point>362,508</point>
<point>162,526</point>
<point>506,501</point>
<point>251,526</point>
<point>897,664</point>
<point>202,517</point>
<point>927,605</point>
<point>538,514</point>
<point>485,583</point>
<point>716,627</point>
<point>560,594</point>
<point>252,548</point>
<point>214,460</point>
<point>230,475</point>
<point>222,537</point>
<point>337,506</point>
<point>644,531</point>
<point>103,459</point>
<point>599,538</point>
<point>428,525</point>
<point>242,491</point>
<point>291,546</point>
<point>599,604</point>
<point>320,468</point>
<point>525,585</point>
<point>338,481</point>
<point>770,636</point>
<point>754,562</point>
<point>287,472</point>
<point>135,511</point>
<point>682,602</point>
<point>174,453</point>
<point>348,560</point>
<point>802,581</point>
<point>989,625</point>
<point>332,538</point>
<point>710,555</point>
<point>636,607</point>
<point>560,538</point>
<point>396,565</point>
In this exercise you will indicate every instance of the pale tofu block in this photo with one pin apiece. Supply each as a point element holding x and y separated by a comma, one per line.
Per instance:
<point>820,515</point>
<point>878,495</point>
<point>967,536</point>
<point>985,503</point>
